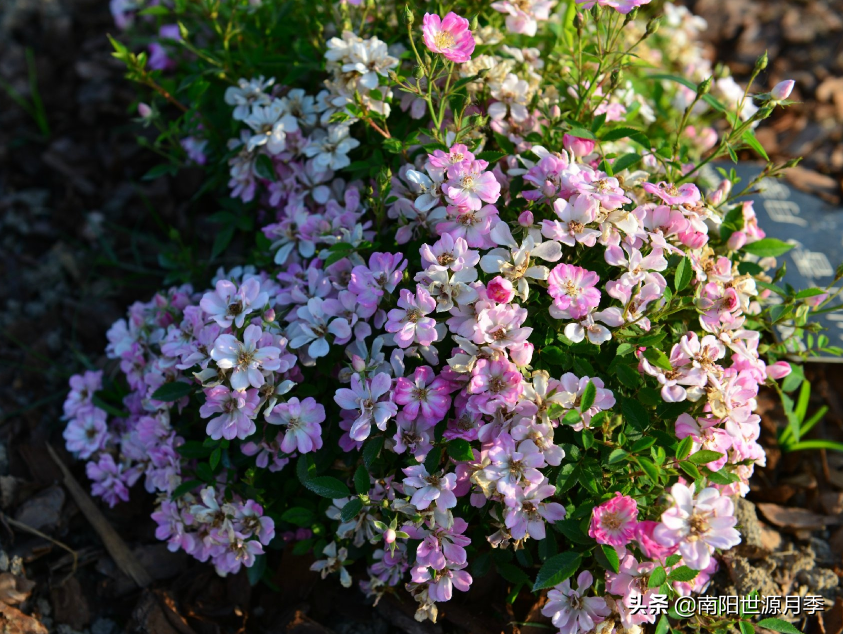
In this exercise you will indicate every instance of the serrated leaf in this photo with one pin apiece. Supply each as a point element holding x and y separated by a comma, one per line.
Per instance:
<point>657,578</point>
<point>490,156</point>
<point>778,625</point>
<point>649,468</point>
<point>746,627</point>
<point>513,573</point>
<point>327,487</point>
<point>611,556</point>
<point>617,455</point>
<point>173,391</point>
<point>658,359</point>
<point>684,448</point>
<point>556,569</point>
<point>683,573</point>
<point>350,510</point>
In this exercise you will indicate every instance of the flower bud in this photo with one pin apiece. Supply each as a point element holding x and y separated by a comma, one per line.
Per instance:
<point>577,146</point>
<point>500,290</point>
<point>144,110</point>
<point>418,72</point>
<point>474,24</point>
<point>269,315</point>
<point>761,62</point>
<point>555,111</point>
<point>782,90</point>
<point>778,370</point>
<point>358,363</point>
<point>705,87</point>
<point>653,25</point>
<point>631,16</point>
<point>409,18</point>
<point>389,535</point>
<point>526,218</point>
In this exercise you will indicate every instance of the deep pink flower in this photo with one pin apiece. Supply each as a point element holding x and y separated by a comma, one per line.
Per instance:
<point>613,522</point>
<point>500,290</point>
<point>449,37</point>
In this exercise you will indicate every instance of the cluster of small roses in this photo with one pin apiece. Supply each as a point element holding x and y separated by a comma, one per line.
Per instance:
<point>156,345</point>
<point>306,138</point>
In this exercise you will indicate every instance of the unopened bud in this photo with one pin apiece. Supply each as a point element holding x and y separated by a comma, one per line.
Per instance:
<point>578,21</point>
<point>761,62</point>
<point>269,315</point>
<point>526,218</point>
<point>144,110</point>
<point>705,87</point>
<point>389,535</point>
<point>782,90</point>
<point>653,25</point>
<point>596,10</point>
<point>631,16</point>
<point>358,364</point>
<point>474,24</point>
<point>792,163</point>
<point>409,18</point>
<point>418,72</point>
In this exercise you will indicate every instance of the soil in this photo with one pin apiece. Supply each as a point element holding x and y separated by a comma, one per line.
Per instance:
<point>78,243</point>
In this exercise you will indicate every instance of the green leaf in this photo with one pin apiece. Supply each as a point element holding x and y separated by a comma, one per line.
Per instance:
<point>635,414</point>
<point>625,132</point>
<point>663,625</point>
<point>705,456</point>
<point>214,458</point>
<point>371,450</point>
<point>571,417</point>
<point>672,560</point>
<point>684,273</point>
<point>658,359</point>
<point>264,168</point>
<point>556,569</point>
<point>749,138</point>
<point>431,463</point>
<point>683,573</point>
<point>627,375</point>
<point>193,449</point>
<point>350,510</point>
<point>361,480</point>
<point>222,240</point>
<point>173,391</point>
<point>690,469</point>
<point>513,573</point>
<point>491,156</point>
<point>327,487</point>
<point>588,396</point>
<point>99,402</point>
<point>625,162</point>
<point>767,248</point>
<point>684,448</point>
<point>617,455</point>
<point>709,99</point>
<point>611,556</point>
<point>642,443</point>
<point>186,487</point>
<point>571,529</point>
<point>746,627</point>
<point>649,468</point>
<point>503,143</point>
<point>299,516</point>
<point>778,625</point>
<point>657,578</point>
<point>460,450</point>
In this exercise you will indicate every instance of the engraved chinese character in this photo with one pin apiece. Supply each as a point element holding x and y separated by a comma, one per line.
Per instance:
<point>812,263</point>
<point>771,188</point>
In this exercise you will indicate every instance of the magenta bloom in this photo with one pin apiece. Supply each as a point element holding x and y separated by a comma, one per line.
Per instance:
<point>424,395</point>
<point>572,290</point>
<point>672,195</point>
<point>613,522</point>
<point>468,185</point>
<point>236,412</point>
<point>449,37</point>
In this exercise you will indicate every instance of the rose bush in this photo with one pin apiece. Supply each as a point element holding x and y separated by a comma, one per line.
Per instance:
<point>498,314</point>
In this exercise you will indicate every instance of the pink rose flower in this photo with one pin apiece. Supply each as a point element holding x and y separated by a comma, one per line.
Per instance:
<point>449,37</point>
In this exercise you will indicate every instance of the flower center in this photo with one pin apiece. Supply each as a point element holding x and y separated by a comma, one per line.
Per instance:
<point>443,39</point>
